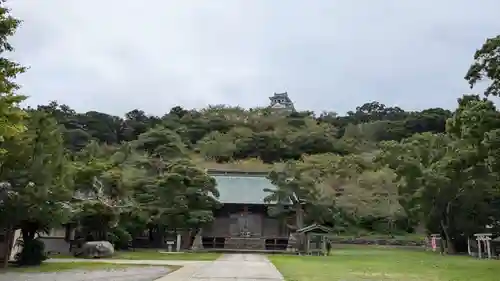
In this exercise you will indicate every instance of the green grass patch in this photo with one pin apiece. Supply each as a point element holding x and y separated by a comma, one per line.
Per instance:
<point>65,266</point>
<point>384,264</point>
<point>156,255</point>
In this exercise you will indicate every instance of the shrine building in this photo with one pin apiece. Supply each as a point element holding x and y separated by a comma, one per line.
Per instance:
<point>243,222</point>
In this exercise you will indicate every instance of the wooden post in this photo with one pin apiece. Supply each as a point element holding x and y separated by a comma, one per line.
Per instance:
<point>308,244</point>
<point>323,245</point>
<point>299,223</point>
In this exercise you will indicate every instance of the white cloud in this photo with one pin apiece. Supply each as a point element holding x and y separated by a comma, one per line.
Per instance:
<point>115,55</point>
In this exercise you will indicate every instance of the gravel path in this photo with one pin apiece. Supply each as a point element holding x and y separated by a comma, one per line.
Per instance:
<point>122,274</point>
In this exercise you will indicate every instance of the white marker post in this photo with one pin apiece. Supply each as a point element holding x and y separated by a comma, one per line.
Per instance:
<point>170,243</point>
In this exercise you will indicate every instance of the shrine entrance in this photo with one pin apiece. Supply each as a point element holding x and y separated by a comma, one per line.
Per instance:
<point>245,230</point>
<point>245,224</point>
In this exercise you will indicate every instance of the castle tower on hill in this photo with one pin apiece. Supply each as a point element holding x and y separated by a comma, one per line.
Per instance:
<point>281,101</point>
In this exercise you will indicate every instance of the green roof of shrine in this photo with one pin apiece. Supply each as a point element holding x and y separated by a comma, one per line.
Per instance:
<point>243,188</point>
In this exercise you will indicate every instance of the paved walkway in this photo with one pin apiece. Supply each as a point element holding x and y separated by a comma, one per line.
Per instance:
<point>229,267</point>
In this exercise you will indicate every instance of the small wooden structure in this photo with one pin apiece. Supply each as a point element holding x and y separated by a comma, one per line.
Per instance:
<point>483,243</point>
<point>315,239</point>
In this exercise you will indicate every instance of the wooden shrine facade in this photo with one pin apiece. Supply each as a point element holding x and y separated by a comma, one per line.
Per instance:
<point>246,227</point>
<point>243,222</point>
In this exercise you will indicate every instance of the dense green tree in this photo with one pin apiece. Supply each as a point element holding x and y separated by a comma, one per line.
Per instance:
<point>168,189</point>
<point>409,159</point>
<point>449,183</point>
<point>11,115</point>
<point>39,178</point>
<point>454,194</point>
<point>486,66</point>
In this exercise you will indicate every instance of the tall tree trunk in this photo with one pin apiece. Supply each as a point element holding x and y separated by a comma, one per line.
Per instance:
<point>198,241</point>
<point>151,236</point>
<point>157,237</point>
<point>28,232</point>
<point>186,239</point>
<point>445,225</point>
<point>299,221</point>
<point>9,243</point>
<point>299,216</point>
<point>160,237</point>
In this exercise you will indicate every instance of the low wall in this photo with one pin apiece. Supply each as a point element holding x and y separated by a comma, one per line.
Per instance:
<point>56,245</point>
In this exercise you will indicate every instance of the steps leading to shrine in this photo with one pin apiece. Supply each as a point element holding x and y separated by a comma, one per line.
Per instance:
<point>236,243</point>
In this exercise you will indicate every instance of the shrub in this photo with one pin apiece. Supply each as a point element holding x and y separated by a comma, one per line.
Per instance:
<point>120,238</point>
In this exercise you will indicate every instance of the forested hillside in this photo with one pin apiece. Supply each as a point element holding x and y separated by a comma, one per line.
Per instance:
<point>223,134</point>
<point>376,169</point>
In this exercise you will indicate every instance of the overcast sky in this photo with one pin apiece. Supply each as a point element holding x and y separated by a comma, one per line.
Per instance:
<point>117,55</point>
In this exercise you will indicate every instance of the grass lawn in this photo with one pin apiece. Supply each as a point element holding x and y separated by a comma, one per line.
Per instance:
<point>379,264</point>
<point>62,266</point>
<point>155,255</point>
